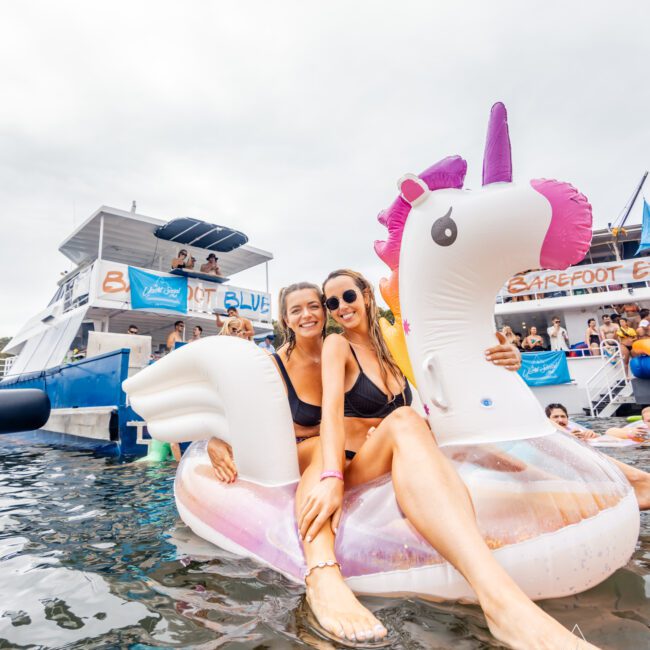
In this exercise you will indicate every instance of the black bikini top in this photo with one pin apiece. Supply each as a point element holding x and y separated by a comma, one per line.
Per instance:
<point>302,413</point>
<point>366,400</point>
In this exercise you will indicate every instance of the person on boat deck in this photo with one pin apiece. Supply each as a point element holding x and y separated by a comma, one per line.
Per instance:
<point>133,329</point>
<point>638,479</point>
<point>608,328</point>
<point>267,344</point>
<point>558,335</point>
<point>533,342</point>
<point>197,333</point>
<point>592,337</point>
<point>183,261</point>
<point>643,330</point>
<point>626,335</point>
<point>630,310</point>
<point>176,335</point>
<point>365,417</point>
<point>234,327</point>
<point>509,335</point>
<point>233,313</point>
<point>211,265</point>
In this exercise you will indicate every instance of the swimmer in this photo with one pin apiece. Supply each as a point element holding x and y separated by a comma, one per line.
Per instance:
<point>638,479</point>
<point>364,388</point>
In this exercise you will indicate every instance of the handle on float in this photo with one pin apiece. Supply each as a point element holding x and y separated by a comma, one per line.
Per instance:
<point>435,388</point>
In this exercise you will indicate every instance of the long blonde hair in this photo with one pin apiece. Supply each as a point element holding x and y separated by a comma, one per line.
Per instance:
<point>387,365</point>
<point>230,325</point>
<point>287,332</point>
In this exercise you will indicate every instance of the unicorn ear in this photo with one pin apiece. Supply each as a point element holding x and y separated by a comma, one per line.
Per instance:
<point>413,189</point>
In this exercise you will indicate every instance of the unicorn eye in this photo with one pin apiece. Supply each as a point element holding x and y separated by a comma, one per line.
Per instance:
<point>444,230</point>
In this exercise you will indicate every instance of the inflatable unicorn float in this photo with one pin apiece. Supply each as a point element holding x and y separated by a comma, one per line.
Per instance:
<point>559,516</point>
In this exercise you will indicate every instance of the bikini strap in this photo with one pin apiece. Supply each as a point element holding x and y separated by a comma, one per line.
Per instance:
<point>354,354</point>
<point>284,373</point>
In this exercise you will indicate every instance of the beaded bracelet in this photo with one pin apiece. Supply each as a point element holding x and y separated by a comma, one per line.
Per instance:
<point>331,473</point>
<point>321,565</point>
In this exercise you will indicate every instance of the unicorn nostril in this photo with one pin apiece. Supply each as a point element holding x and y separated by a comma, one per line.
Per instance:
<point>444,230</point>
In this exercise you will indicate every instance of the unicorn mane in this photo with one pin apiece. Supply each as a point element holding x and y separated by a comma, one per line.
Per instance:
<point>446,173</point>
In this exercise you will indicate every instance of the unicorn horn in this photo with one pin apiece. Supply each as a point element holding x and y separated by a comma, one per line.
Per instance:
<point>497,159</point>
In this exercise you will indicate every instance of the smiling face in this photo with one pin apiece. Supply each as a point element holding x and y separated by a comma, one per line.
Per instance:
<point>533,331</point>
<point>305,314</point>
<point>349,308</point>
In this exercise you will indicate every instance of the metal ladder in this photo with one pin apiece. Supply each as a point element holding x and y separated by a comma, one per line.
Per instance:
<point>608,387</point>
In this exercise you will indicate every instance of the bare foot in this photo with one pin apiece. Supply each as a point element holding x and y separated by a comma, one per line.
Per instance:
<point>522,625</point>
<point>337,609</point>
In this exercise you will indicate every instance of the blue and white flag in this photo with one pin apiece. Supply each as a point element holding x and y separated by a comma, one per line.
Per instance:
<point>644,244</point>
<point>156,292</point>
<point>544,368</point>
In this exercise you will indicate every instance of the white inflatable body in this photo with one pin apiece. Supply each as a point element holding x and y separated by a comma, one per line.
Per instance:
<point>558,515</point>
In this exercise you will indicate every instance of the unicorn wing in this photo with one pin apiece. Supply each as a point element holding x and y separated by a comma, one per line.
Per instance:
<point>225,387</point>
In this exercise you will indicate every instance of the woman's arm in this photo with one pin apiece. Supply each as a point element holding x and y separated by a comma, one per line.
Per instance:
<point>325,499</point>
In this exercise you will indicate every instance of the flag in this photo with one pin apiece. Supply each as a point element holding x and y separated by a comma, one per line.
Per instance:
<point>644,244</point>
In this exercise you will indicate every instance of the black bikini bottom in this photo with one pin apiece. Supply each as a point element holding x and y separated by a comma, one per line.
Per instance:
<point>349,455</point>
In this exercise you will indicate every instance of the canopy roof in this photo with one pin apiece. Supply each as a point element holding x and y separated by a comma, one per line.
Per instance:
<point>130,238</point>
<point>192,232</point>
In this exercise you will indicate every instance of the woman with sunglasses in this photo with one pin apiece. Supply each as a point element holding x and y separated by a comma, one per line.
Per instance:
<point>364,390</point>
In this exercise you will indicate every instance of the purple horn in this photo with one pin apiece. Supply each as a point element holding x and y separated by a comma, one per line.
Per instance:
<point>497,159</point>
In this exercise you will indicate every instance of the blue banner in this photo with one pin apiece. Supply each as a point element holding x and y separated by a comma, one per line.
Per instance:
<point>544,368</point>
<point>645,230</point>
<point>155,292</point>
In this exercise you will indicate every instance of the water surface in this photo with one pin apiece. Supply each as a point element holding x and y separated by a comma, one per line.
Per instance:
<point>93,555</point>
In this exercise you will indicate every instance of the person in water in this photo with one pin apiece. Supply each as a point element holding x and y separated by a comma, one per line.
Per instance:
<point>638,479</point>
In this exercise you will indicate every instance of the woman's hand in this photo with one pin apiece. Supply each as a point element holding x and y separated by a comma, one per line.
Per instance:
<point>220,454</point>
<point>504,354</point>
<point>323,501</point>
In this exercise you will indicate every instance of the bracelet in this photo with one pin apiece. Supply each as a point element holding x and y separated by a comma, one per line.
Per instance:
<point>331,473</point>
<point>321,565</point>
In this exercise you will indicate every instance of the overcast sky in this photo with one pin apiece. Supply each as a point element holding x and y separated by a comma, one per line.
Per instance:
<point>292,120</point>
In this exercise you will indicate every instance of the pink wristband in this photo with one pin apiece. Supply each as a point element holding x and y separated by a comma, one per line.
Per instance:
<point>331,473</point>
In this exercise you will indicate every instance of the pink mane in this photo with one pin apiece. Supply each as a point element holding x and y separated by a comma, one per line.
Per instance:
<point>446,173</point>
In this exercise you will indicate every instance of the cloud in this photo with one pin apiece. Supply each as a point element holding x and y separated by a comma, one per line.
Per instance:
<point>292,121</point>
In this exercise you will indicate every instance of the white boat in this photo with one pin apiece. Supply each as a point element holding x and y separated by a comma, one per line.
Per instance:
<point>610,275</point>
<point>78,350</point>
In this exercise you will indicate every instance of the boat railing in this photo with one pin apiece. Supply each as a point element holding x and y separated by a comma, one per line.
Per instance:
<point>5,365</point>
<point>557,293</point>
<point>606,383</point>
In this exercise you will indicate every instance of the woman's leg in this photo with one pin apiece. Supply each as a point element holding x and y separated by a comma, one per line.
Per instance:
<point>429,491</point>
<point>331,600</point>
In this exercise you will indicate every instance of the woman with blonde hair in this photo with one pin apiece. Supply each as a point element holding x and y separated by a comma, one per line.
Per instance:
<point>367,430</point>
<point>233,327</point>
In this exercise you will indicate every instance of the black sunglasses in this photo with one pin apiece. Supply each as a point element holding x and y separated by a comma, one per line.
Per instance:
<point>348,296</point>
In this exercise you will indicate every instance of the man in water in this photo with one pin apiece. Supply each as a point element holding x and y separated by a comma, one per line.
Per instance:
<point>249,330</point>
<point>176,335</point>
<point>557,414</point>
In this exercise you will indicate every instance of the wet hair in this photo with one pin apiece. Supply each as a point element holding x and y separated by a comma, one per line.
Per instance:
<point>229,326</point>
<point>178,322</point>
<point>387,364</point>
<point>288,334</point>
<point>551,407</point>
